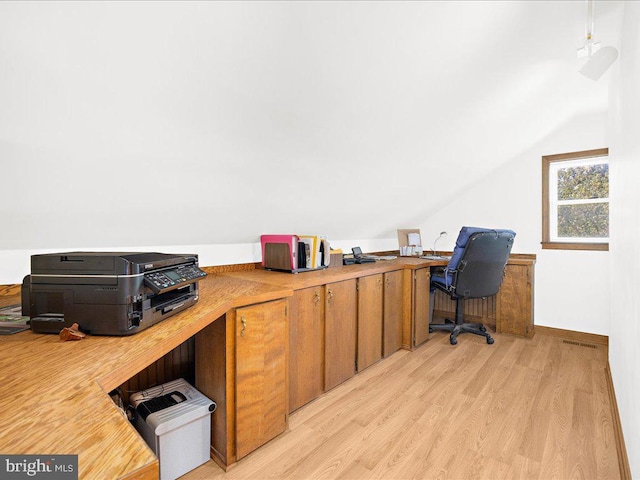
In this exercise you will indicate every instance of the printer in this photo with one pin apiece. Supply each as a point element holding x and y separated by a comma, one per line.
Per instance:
<point>108,293</point>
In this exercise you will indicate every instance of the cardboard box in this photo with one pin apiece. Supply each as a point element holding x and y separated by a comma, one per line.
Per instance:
<point>335,259</point>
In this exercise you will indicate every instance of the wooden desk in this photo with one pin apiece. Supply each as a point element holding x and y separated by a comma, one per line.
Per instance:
<point>54,394</point>
<point>510,311</point>
<point>324,340</point>
<point>54,398</point>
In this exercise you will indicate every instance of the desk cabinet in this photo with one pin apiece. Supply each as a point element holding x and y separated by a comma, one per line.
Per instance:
<point>510,311</point>
<point>421,308</point>
<point>306,346</point>
<point>241,364</point>
<point>341,310</point>
<point>514,302</point>
<point>323,339</point>
<point>392,317</point>
<point>370,311</point>
<point>261,381</point>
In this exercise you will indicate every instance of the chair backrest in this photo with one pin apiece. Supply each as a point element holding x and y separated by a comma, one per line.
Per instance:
<point>478,261</point>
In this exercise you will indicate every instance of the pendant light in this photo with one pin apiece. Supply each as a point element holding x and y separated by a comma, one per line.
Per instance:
<point>599,58</point>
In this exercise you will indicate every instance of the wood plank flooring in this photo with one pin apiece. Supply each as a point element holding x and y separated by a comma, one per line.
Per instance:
<point>519,409</point>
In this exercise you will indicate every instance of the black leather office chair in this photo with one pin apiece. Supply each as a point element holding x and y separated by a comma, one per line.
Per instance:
<point>476,270</point>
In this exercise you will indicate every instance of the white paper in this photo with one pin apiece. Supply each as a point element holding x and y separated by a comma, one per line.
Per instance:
<point>414,239</point>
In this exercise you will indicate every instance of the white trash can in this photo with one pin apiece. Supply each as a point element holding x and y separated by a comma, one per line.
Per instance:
<point>175,420</point>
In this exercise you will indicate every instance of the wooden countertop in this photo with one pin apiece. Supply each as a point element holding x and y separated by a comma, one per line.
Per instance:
<point>297,281</point>
<point>302,280</point>
<point>54,394</point>
<point>54,397</point>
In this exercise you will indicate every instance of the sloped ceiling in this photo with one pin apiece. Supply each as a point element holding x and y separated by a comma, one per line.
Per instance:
<point>144,123</point>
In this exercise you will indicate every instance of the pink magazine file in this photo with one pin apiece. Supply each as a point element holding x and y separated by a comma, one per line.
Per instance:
<point>279,252</point>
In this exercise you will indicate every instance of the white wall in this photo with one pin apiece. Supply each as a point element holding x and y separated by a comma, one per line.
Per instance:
<point>121,120</point>
<point>570,286</point>
<point>16,263</point>
<point>198,126</point>
<point>624,337</point>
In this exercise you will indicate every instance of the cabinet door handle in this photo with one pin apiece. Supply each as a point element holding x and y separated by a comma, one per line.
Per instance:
<point>316,297</point>
<point>330,295</point>
<point>244,325</point>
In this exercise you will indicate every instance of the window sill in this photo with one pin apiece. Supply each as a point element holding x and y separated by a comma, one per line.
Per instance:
<point>574,246</point>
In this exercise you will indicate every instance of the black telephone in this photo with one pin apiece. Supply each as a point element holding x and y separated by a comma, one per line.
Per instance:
<point>360,258</point>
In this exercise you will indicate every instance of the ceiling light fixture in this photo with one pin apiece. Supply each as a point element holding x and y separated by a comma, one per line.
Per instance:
<point>599,58</point>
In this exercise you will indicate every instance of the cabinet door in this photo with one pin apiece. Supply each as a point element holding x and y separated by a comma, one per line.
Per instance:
<point>306,346</point>
<point>369,320</point>
<point>340,332</point>
<point>214,372</point>
<point>421,309</point>
<point>392,317</point>
<point>261,383</point>
<point>514,302</point>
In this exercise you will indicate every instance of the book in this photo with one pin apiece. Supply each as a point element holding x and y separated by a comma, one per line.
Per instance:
<point>318,244</point>
<point>12,320</point>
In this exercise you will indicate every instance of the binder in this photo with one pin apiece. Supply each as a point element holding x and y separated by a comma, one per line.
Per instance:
<point>311,243</point>
<point>304,255</point>
<point>325,250</point>
<point>318,244</point>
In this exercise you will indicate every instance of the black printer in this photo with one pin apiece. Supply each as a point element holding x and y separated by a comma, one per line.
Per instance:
<point>108,293</point>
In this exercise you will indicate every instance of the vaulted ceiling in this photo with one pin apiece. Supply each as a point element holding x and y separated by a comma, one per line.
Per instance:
<point>160,123</point>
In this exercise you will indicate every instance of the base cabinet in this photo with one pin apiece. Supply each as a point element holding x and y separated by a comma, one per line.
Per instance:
<point>421,305</point>
<point>338,329</point>
<point>306,346</point>
<point>514,302</point>
<point>392,313</point>
<point>370,312</point>
<point>509,311</point>
<point>341,316</point>
<point>241,363</point>
<point>261,375</point>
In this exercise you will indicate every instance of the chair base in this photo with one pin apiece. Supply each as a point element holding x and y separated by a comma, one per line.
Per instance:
<point>457,329</point>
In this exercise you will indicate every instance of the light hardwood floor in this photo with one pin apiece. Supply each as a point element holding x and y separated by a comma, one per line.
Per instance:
<point>517,409</point>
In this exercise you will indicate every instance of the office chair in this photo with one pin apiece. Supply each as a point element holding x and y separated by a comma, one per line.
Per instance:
<point>476,270</point>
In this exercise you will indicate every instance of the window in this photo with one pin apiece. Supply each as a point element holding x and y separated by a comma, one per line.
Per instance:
<point>575,200</point>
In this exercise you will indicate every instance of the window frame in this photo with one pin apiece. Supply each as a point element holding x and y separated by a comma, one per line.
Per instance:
<point>547,161</point>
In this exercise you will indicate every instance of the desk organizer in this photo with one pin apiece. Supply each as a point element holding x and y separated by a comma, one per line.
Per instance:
<point>294,253</point>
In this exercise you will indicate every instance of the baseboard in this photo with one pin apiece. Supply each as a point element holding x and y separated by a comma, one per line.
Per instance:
<point>218,458</point>
<point>623,460</point>
<point>10,290</point>
<point>238,267</point>
<point>573,335</point>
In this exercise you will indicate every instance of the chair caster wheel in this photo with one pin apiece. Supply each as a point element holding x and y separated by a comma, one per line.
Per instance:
<point>490,340</point>
<point>483,328</point>
<point>453,341</point>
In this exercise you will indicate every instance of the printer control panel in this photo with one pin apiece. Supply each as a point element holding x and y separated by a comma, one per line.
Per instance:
<point>164,280</point>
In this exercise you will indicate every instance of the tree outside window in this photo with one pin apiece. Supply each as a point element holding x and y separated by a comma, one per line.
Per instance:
<point>575,200</point>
